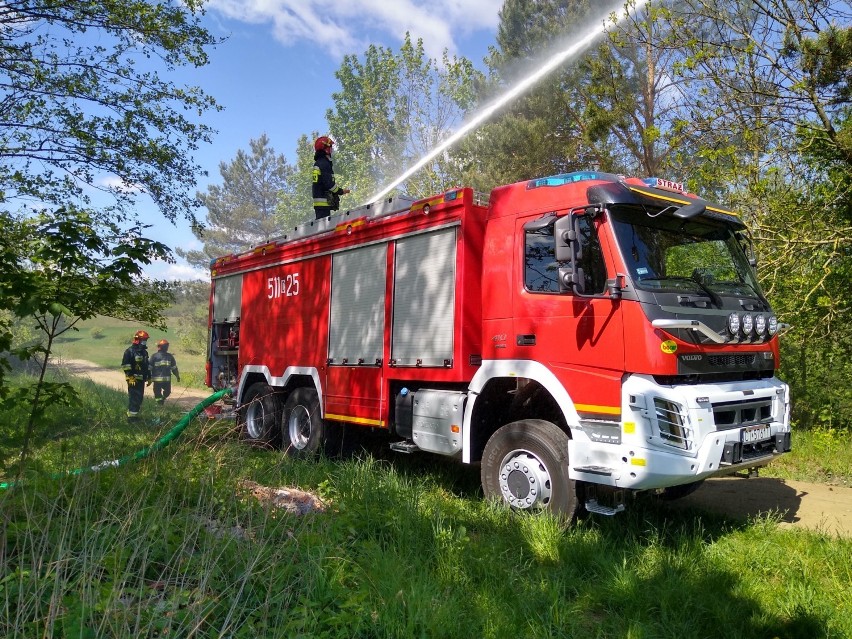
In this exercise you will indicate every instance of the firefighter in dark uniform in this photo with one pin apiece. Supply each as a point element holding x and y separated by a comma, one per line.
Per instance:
<point>163,366</point>
<point>325,192</point>
<point>136,372</point>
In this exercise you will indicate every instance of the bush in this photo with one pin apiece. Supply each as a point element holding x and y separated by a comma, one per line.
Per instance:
<point>96,332</point>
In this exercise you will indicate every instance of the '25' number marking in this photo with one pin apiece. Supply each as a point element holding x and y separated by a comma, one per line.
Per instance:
<point>287,286</point>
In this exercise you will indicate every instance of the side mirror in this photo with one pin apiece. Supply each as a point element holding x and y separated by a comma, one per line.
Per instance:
<point>567,244</point>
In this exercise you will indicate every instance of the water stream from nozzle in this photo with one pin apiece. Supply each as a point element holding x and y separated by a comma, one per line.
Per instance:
<point>549,65</point>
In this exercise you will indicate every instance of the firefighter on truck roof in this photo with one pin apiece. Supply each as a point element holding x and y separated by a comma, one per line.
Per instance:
<point>326,193</point>
<point>136,373</point>
<point>163,366</point>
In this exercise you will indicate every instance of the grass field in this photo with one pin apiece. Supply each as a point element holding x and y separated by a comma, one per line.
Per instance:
<point>171,546</point>
<point>113,337</point>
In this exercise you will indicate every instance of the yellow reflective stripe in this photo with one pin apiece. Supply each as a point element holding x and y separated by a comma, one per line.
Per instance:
<point>592,408</point>
<point>355,420</point>
<point>347,225</point>
<point>680,200</point>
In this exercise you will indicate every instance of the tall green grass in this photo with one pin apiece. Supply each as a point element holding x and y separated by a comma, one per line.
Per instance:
<point>172,547</point>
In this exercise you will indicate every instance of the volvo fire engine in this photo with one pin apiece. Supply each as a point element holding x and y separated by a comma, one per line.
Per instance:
<point>581,337</point>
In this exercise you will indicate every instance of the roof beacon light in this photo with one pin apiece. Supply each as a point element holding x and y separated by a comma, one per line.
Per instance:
<point>665,185</point>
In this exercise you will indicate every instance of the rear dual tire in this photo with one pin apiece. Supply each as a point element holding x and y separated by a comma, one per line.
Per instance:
<point>260,415</point>
<point>303,428</point>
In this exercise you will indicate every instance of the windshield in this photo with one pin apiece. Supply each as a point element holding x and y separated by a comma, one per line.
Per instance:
<point>672,254</point>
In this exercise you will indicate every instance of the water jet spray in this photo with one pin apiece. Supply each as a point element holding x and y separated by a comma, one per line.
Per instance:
<point>552,63</point>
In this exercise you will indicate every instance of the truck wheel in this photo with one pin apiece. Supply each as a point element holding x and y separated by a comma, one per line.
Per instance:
<point>304,431</point>
<point>260,414</point>
<point>525,465</point>
<point>676,492</point>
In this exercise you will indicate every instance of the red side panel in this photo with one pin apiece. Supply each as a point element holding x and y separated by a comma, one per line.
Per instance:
<point>288,322</point>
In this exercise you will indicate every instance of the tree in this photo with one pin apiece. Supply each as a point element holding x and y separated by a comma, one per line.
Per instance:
<point>391,110</point>
<point>244,210</point>
<point>69,267</point>
<point>189,315</point>
<point>88,128</point>
<point>84,108</point>
<point>295,205</point>
<point>613,108</point>
<point>771,80</point>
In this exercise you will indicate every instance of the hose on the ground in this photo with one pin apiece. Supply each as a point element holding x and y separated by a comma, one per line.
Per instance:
<point>161,443</point>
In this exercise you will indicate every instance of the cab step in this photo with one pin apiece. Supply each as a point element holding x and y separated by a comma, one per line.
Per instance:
<point>404,446</point>
<point>593,506</point>
<point>604,500</point>
<point>594,470</point>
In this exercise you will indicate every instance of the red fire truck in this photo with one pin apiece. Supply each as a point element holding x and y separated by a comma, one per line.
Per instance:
<point>578,336</point>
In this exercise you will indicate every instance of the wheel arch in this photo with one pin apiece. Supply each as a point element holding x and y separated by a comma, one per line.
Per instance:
<point>293,377</point>
<point>506,391</point>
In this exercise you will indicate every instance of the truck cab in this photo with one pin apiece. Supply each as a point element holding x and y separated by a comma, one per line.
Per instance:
<point>631,319</point>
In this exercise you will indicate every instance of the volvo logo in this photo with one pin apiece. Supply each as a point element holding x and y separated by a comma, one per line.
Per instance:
<point>692,358</point>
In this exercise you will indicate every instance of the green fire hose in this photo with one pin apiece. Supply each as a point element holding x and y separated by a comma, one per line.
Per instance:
<point>161,443</point>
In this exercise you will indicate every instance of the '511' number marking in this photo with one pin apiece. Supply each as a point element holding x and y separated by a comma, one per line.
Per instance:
<point>287,286</point>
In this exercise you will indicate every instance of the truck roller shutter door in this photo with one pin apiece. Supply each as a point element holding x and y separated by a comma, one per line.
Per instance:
<point>227,298</point>
<point>424,295</point>
<point>357,318</point>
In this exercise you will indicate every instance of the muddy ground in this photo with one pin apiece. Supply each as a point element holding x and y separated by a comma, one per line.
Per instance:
<point>819,507</point>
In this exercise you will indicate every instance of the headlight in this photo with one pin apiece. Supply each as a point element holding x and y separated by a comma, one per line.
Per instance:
<point>670,423</point>
<point>760,324</point>
<point>773,325</point>
<point>748,324</point>
<point>733,323</point>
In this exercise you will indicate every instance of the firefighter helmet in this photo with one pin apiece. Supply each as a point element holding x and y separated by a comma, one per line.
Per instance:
<point>323,143</point>
<point>140,336</point>
<point>163,344</point>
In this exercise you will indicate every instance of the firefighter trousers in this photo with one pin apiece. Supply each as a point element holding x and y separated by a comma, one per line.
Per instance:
<point>135,392</point>
<point>161,391</point>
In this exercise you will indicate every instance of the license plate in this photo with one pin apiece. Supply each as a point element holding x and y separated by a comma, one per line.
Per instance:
<point>754,434</point>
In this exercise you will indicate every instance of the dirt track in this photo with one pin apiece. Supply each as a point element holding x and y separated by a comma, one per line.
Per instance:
<point>814,506</point>
<point>183,396</point>
<point>818,507</point>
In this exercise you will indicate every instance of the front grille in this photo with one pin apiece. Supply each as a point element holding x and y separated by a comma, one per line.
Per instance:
<point>733,361</point>
<point>728,415</point>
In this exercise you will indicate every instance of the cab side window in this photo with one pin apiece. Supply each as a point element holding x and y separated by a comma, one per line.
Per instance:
<point>541,268</point>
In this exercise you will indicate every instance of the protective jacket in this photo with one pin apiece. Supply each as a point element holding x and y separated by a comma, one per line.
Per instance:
<point>325,192</point>
<point>135,363</point>
<point>163,366</point>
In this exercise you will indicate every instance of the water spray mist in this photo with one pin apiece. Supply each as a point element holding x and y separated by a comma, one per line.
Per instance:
<point>557,59</point>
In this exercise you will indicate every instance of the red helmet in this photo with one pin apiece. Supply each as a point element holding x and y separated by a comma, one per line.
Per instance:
<point>140,336</point>
<point>163,344</point>
<point>323,143</point>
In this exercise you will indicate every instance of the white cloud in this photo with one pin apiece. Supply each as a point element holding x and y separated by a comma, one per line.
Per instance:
<point>159,270</point>
<point>347,27</point>
<point>115,183</point>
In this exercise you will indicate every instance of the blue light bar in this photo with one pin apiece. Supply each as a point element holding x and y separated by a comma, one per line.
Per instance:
<point>570,178</point>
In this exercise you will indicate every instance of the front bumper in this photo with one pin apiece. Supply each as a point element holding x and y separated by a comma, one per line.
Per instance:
<point>671,435</point>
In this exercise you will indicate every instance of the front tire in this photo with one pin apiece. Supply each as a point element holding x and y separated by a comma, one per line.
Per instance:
<point>260,415</point>
<point>525,465</point>
<point>303,429</point>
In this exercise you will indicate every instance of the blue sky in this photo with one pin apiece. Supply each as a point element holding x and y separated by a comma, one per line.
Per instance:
<point>275,72</point>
